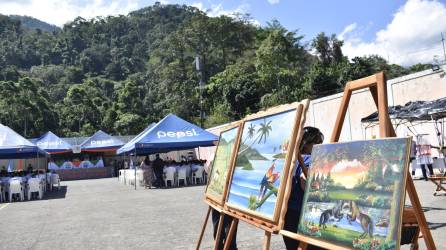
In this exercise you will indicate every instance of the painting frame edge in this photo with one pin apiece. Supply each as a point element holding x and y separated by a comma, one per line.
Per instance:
<point>403,190</point>
<point>249,215</point>
<point>333,245</point>
<point>296,152</point>
<point>210,199</point>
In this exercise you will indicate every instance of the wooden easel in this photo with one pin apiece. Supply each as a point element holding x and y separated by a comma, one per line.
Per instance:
<point>377,85</point>
<point>219,228</point>
<point>213,203</point>
<point>269,228</point>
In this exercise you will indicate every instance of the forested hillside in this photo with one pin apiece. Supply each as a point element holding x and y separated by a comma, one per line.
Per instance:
<point>120,73</point>
<point>28,22</point>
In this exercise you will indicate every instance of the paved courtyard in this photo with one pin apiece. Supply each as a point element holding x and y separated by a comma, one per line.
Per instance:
<point>104,214</point>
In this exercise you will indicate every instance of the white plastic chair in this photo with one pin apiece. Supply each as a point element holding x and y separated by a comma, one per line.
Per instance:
<point>170,176</point>
<point>140,177</point>
<point>55,180</point>
<point>34,185</point>
<point>130,177</point>
<point>124,173</point>
<point>182,175</point>
<point>121,176</point>
<point>15,187</point>
<point>198,175</point>
<point>43,178</point>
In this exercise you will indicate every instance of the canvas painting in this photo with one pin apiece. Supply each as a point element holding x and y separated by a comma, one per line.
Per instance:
<point>260,163</point>
<point>354,193</point>
<point>221,164</point>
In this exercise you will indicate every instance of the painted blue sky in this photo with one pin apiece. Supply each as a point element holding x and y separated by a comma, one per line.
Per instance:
<point>404,32</point>
<point>281,127</point>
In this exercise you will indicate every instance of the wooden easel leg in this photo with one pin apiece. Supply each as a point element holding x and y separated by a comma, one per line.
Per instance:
<point>230,235</point>
<point>419,214</point>
<point>203,228</point>
<point>219,228</point>
<point>266,240</point>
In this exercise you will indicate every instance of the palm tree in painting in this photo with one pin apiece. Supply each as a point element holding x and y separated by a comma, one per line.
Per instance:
<point>262,133</point>
<point>251,132</point>
<point>264,130</point>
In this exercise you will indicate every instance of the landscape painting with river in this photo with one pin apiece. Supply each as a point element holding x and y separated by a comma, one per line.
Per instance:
<point>260,163</point>
<point>354,193</point>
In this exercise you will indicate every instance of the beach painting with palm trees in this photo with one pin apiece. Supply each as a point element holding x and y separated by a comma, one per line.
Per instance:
<point>221,164</point>
<point>355,193</point>
<point>260,163</point>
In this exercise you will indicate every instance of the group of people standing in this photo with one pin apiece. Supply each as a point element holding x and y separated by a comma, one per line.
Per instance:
<point>153,176</point>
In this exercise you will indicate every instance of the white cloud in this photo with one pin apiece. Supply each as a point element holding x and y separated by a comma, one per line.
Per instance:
<point>348,29</point>
<point>273,1</point>
<point>413,35</point>
<point>59,12</point>
<point>344,164</point>
<point>198,5</point>
<point>217,10</point>
<point>255,22</point>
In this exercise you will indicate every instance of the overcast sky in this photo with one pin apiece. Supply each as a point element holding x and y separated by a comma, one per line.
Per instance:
<point>404,32</point>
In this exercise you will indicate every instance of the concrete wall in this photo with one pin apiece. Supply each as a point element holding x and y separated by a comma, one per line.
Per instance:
<point>425,86</point>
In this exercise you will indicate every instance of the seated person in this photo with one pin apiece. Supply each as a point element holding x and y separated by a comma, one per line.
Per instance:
<point>100,163</point>
<point>194,166</point>
<point>86,164</point>
<point>52,165</point>
<point>67,165</point>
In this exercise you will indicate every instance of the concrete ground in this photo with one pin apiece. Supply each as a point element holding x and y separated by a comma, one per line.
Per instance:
<point>104,214</point>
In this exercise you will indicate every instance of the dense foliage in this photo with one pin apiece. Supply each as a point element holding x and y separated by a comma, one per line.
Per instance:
<point>28,22</point>
<point>119,73</point>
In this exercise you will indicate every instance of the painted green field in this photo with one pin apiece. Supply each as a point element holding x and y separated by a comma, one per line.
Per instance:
<point>342,236</point>
<point>216,185</point>
<point>353,195</point>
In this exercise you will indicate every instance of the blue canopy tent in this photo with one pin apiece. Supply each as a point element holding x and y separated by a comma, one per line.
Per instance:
<point>52,144</point>
<point>169,134</point>
<point>101,142</point>
<point>15,146</point>
<point>130,144</point>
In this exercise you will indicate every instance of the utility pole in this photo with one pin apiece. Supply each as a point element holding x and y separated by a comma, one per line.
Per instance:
<point>201,85</point>
<point>444,51</point>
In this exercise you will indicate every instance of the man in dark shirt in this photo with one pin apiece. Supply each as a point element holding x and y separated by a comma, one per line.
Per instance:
<point>158,165</point>
<point>311,137</point>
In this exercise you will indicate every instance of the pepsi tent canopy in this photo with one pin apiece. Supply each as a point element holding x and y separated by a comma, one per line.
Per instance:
<point>131,144</point>
<point>52,144</point>
<point>101,142</point>
<point>172,133</point>
<point>15,146</point>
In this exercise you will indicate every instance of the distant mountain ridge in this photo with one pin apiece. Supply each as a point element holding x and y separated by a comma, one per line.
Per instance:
<point>33,23</point>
